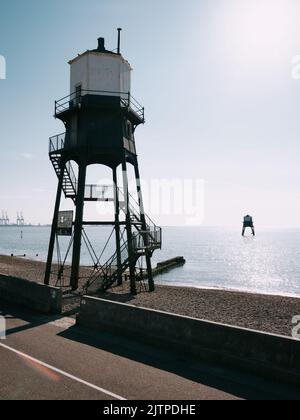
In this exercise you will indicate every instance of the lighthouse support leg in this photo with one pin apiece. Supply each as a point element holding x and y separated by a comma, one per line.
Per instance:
<point>131,254</point>
<point>117,226</point>
<point>78,228</point>
<point>54,224</point>
<point>144,227</point>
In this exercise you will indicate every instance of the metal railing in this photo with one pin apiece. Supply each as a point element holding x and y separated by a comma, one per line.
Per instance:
<point>99,192</point>
<point>149,239</point>
<point>108,271</point>
<point>71,178</point>
<point>75,99</point>
<point>154,232</point>
<point>57,143</point>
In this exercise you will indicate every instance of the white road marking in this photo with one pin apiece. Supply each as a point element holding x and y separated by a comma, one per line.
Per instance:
<point>61,372</point>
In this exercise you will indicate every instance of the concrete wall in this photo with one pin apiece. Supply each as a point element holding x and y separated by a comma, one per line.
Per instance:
<point>33,295</point>
<point>266,354</point>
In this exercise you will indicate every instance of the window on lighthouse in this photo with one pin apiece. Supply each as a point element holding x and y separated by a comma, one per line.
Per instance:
<point>78,93</point>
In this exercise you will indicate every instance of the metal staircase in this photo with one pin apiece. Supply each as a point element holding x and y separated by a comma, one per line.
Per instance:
<point>92,192</point>
<point>69,181</point>
<point>149,239</point>
<point>143,242</point>
<point>105,276</point>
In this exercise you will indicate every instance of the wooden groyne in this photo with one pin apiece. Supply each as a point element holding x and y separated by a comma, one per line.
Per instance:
<point>168,265</point>
<point>160,268</point>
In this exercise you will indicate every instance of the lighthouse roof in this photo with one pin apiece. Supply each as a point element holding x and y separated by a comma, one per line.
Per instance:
<point>100,50</point>
<point>95,52</point>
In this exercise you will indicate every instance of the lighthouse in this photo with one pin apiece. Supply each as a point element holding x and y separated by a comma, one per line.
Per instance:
<point>101,117</point>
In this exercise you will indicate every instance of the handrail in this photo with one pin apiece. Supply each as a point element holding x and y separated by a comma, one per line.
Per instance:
<point>110,268</point>
<point>100,192</point>
<point>126,99</point>
<point>57,142</point>
<point>154,232</point>
<point>151,238</point>
<point>137,207</point>
<point>72,176</point>
<point>105,269</point>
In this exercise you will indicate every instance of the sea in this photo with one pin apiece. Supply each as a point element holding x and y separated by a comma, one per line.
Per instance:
<point>215,257</point>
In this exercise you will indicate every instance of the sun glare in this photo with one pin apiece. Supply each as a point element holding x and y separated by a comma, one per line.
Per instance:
<point>258,31</point>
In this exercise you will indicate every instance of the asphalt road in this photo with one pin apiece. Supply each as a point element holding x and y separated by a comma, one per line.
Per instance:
<point>51,358</point>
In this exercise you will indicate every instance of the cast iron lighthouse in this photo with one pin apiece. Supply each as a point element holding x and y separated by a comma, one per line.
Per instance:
<point>100,117</point>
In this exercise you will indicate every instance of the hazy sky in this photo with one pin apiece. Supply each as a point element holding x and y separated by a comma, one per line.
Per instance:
<point>215,79</point>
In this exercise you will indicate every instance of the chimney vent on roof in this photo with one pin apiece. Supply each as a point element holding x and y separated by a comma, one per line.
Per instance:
<point>101,45</point>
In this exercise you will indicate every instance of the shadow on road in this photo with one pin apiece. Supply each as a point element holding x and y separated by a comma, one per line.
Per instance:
<point>30,318</point>
<point>240,384</point>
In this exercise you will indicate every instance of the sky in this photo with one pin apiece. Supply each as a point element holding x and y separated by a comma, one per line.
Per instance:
<point>217,81</point>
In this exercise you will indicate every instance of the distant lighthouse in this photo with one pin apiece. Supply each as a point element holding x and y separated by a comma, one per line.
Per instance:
<point>101,117</point>
<point>248,223</point>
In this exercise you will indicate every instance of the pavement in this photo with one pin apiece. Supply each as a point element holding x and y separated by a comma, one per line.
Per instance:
<point>50,358</point>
